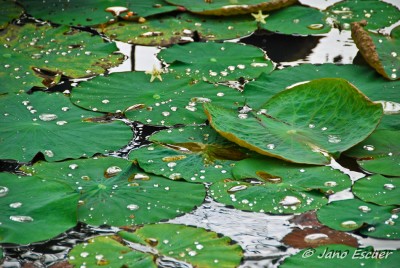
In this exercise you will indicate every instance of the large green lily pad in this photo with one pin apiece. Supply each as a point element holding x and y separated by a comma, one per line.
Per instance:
<point>172,101</point>
<point>33,209</point>
<point>51,124</point>
<point>216,62</point>
<point>275,186</point>
<point>28,50</point>
<point>365,79</point>
<point>379,190</point>
<point>196,154</point>
<point>166,30</point>
<point>382,52</point>
<point>229,7</point>
<point>342,256</point>
<point>92,12</point>
<point>379,153</point>
<point>9,11</point>
<point>378,14</point>
<point>368,219</point>
<point>307,123</point>
<point>115,192</point>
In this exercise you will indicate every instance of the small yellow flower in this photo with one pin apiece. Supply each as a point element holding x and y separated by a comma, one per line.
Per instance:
<point>260,17</point>
<point>155,73</point>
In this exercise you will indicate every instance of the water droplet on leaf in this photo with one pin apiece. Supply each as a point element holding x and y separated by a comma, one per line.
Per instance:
<point>21,218</point>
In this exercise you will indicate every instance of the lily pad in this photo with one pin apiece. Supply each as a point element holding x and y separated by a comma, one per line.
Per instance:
<point>303,124</point>
<point>115,192</point>
<point>39,55</point>
<point>196,154</point>
<point>379,153</point>
<point>108,251</point>
<point>172,101</point>
<point>380,51</point>
<point>342,256</point>
<point>297,20</point>
<point>166,30</point>
<point>33,209</point>
<point>51,124</point>
<point>378,14</point>
<point>229,7</point>
<point>92,12</point>
<point>274,186</point>
<point>368,219</point>
<point>379,190</point>
<point>216,62</point>
<point>9,11</point>
<point>365,79</point>
<point>195,246</point>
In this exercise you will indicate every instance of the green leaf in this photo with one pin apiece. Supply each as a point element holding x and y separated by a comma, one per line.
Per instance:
<point>115,192</point>
<point>378,14</point>
<point>297,20</point>
<point>33,209</point>
<point>107,251</point>
<point>229,7</point>
<point>196,154</point>
<point>9,11</point>
<point>196,246</point>
<point>379,153</point>
<point>91,12</point>
<point>379,190</point>
<point>51,124</point>
<point>169,29</point>
<point>365,79</point>
<point>172,101</point>
<point>368,219</point>
<point>302,124</point>
<point>382,52</point>
<point>274,186</point>
<point>216,62</point>
<point>39,55</point>
<point>342,256</point>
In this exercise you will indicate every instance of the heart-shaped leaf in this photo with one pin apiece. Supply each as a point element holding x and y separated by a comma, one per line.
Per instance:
<point>303,124</point>
<point>45,123</point>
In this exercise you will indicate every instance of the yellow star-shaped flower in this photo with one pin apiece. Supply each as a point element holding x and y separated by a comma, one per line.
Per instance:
<point>260,17</point>
<point>155,73</point>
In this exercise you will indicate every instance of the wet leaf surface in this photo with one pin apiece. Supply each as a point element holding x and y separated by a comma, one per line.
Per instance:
<point>303,124</point>
<point>117,193</point>
<point>28,49</point>
<point>46,123</point>
<point>33,209</point>
<point>368,219</point>
<point>9,11</point>
<point>379,153</point>
<point>196,154</point>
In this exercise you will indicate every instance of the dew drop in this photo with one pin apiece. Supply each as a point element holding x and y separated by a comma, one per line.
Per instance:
<point>47,117</point>
<point>316,26</point>
<point>290,201</point>
<point>330,184</point>
<point>259,64</point>
<point>237,188</point>
<point>140,176</point>
<point>394,54</point>
<point>171,164</point>
<point>73,166</point>
<point>3,191</point>
<point>334,139</point>
<point>84,254</point>
<point>132,207</point>
<point>49,153</point>
<point>271,146</point>
<point>165,113</point>
<point>311,126</point>
<point>242,116</point>
<point>349,224</point>
<point>16,205</point>
<point>21,218</point>
<point>241,66</point>
<point>64,109</point>
<point>369,147</point>
<point>364,209</point>
<point>61,123</point>
<point>175,176</point>
<point>192,253</point>
<point>316,238</point>
<point>389,186</point>
<point>112,171</point>
<point>199,246</point>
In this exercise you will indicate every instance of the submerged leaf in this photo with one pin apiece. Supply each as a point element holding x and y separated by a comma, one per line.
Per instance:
<point>304,124</point>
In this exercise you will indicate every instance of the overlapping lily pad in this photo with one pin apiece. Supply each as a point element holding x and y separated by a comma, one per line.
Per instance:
<point>172,101</point>
<point>39,55</point>
<point>33,209</point>
<point>342,256</point>
<point>115,192</point>
<point>379,190</point>
<point>304,124</point>
<point>166,30</point>
<point>92,12</point>
<point>378,14</point>
<point>153,245</point>
<point>274,186</point>
<point>229,7</point>
<point>9,11</point>
<point>51,124</point>
<point>379,153</point>
<point>368,219</point>
<point>216,62</point>
<point>196,154</point>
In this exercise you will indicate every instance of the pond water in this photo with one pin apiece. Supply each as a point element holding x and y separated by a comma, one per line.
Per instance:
<point>258,234</point>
